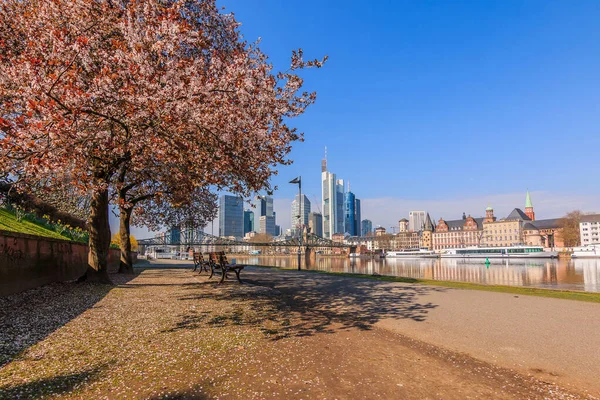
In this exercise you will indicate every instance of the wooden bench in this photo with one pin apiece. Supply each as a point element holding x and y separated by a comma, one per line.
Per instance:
<point>199,261</point>
<point>218,262</point>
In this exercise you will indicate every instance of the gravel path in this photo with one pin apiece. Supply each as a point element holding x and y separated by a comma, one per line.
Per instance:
<point>171,333</point>
<point>554,340</point>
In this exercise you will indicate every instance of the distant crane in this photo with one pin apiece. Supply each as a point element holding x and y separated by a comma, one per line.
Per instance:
<point>317,203</point>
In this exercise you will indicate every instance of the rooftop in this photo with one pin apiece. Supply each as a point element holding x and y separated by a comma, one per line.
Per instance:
<point>590,218</point>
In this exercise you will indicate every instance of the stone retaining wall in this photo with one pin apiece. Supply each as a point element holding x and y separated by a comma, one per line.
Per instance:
<point>28,261</point>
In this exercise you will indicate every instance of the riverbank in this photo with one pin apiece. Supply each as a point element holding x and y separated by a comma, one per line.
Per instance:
<point>283,334</point>
<point>526,291</point>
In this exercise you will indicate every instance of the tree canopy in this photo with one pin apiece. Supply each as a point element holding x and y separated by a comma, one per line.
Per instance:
<point>89,87</point>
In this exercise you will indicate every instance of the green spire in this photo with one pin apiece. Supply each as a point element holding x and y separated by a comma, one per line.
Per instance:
<point>528,201</point>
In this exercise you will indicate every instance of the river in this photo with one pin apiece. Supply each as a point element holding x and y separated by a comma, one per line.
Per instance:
<point>583,275</point>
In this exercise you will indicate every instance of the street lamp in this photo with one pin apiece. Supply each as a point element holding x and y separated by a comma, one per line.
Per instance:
<point>298,180</point>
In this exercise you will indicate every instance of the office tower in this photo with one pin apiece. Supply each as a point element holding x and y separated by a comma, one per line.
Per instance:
<point>231,216</point>
<point>277,230</point>
<point>267,225</point>
<point>349,213</point>
<point>300,211</point>
<point>263,207</point>
<point>357,227</point>
<point>339,208</point>
<point>416,221</point>
<point>329,199</point>
<point>366,227</point>
<point>175,234</point>
<point>248,221</point>
<point>315,223</point>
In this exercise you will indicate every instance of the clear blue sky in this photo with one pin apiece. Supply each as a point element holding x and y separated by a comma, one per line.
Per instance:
<point>432,100</point>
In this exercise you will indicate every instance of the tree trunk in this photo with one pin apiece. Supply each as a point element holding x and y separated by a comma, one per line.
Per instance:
<point>99,230</point>
<point>126,263</point>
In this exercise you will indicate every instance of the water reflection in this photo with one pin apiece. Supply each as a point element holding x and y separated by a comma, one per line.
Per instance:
<point>544,273</point>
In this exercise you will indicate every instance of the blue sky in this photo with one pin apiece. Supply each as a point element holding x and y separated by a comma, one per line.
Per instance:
<point>425,104</point>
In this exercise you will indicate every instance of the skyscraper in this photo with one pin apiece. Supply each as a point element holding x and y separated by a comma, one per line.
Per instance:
<point>416,220</point>
<point>357,227</point>
<point>315,223</point>
<point>329,199</point>
<point>231,216</point>
<point>267,225</point>
<point>300,211</point>
<point>366,227</point>
<point>339,206</point>
<point>350,214</point>
<point>263,206</point>
<point>248,221</point>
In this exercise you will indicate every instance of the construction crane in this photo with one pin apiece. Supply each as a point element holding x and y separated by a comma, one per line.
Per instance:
<point>317,203</point>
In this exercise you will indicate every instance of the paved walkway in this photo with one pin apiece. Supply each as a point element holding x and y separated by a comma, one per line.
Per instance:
<point>551,339</point>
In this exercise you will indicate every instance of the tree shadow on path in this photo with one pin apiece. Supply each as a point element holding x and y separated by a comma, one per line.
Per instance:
<point>50,386</point>
<point>302,304</point>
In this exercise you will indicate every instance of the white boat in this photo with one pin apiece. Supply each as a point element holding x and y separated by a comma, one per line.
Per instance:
<point>412,253</point>
<point>500,252</point>
<point>587,251</point>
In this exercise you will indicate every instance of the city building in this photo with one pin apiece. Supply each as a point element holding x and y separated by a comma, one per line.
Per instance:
<point>339,206</point>
<point>380,231</point>
<point>416,220</point>
<point>350,214</point>
<point>357,216</point>
<point>504,232</point>
<point>231,216</point>
<point>426,239</point>
<point>589,229</point>
<point>459,233</point>
<point>267,225</point>
<point>542,232</point>
<point>522,228</point>
<point>315,223</point>
<point>263,206</point>
<point>405,240</point>
<point>403,225</point>
<point>248,221</point>
<point>329,199</point>
<point>366,227</point>
<point>300,212</point>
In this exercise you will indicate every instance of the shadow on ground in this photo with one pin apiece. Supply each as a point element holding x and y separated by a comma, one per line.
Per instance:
<point>50,386</point>
<point>28,317</point>
<point>301,304</point>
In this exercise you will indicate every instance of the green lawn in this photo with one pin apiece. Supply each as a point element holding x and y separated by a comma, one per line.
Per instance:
<point>8,222</point>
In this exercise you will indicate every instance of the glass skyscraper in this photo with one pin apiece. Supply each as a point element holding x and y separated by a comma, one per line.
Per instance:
<point>329,201</point>
<point>300,212</point>
<point>248,221</point>
<point>264,208</point>
<point>357,227</point>
<point>231,216</point>
<point>366,227</point>
<point>349,214</point>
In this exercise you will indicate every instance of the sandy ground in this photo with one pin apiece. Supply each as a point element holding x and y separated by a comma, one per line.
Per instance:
<point>171,333</point>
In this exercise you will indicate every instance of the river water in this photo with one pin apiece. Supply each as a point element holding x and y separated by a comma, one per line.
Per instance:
<point>581,275</point>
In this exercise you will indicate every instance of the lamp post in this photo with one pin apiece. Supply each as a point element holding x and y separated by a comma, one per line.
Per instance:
<point>298,180</point>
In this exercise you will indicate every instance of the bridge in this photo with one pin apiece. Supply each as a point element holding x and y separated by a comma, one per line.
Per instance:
<point>197,239</point>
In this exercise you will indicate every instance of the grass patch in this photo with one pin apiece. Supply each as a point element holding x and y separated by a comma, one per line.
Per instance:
<point>8,222</point>
<point>527,291</point>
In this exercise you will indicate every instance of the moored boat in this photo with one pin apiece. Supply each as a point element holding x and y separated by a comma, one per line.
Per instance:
<point>587,251</point>
<point>500,252</point>
<point>412,253</point>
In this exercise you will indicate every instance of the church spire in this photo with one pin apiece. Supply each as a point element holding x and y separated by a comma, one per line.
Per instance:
<point>528,201</point>
<point>529,207</point>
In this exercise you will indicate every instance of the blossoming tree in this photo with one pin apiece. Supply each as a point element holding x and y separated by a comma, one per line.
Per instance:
<point>87,86</point>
